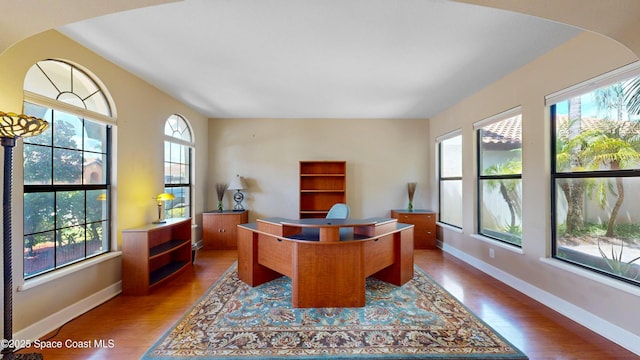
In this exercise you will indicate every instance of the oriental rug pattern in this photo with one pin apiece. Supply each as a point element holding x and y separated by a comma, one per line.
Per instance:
<point>419,320</point>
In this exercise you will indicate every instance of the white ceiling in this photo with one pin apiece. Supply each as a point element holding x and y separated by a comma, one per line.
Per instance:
<point>319,58</point>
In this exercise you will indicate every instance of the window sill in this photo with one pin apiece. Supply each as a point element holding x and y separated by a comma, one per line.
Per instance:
<point>450,227</point>
<point>46,278</point>
<point>498,243</point>
<point>602,279</point>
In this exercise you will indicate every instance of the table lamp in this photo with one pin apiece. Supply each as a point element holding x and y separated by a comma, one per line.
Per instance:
<point>12,127</point>
<point>160,199</point>
<point>238,183</point>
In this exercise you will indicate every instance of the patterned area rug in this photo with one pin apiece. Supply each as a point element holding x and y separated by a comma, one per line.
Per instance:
<point>419,320</point>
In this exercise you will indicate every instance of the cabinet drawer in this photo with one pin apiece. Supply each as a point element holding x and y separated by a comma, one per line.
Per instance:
<point>275,254</point>
<point>415,219</point>
<point>379,254</point>
<point>424,223</point>
<point>430,222</point>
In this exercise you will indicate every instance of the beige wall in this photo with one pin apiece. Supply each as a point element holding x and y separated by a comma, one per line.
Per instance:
<point>382,157</point>
<point>584,57</point>
<point>138,164</point>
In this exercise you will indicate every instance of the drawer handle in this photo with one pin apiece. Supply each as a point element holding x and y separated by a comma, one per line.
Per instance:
<point>279,240</point>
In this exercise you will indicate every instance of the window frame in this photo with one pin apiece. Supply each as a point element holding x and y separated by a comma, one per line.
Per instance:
<point>189,144</point>
<point>84,115</point>
<point>444,179</point>
<point>481,177</point>
<point>589,86</point>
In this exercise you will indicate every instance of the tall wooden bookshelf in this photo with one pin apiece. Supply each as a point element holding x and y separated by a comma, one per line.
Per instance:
<point>322,184</point>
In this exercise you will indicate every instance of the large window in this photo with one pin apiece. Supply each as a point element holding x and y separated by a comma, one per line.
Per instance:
<point>596,175</point>
<point>66,169</point>
<point>499,141</point>
<point>450,179</point>
<point>177,166</point>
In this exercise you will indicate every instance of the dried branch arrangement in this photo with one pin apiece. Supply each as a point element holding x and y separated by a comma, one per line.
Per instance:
<point>411,189</point>
<point>220,190</point>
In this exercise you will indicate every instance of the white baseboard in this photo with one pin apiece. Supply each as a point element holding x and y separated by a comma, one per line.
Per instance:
<point>54,321</point>
<point>602,327</point>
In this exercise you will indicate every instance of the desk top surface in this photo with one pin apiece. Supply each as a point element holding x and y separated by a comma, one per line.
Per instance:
<point>414,211</point>
<point>310,231</point>
<point>322,222</point>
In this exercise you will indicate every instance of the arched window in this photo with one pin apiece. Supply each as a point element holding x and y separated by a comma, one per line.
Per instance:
<point>68,84</point>
<point>66,168</point>
<point>178,153</point>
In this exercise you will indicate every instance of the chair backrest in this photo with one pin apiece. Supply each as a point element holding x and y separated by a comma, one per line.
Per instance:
<point>338,211</point>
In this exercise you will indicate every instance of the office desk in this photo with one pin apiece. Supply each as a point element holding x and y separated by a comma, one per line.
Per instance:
<point>327,260</point>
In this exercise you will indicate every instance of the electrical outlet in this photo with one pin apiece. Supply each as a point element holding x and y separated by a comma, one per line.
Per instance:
<point>492,254</point>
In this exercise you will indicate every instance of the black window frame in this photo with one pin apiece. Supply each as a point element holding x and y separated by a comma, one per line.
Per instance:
<point>57,188</point>
<point>483,177</point>
<point>170,187</point>
<point>558,175</point>
<point>442,179</point>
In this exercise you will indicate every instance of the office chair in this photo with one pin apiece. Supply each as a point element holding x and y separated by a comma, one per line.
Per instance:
<point>338,211</point>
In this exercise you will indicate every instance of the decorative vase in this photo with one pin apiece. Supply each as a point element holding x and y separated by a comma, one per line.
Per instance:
<point>411,190</point>
<point>220,189</point>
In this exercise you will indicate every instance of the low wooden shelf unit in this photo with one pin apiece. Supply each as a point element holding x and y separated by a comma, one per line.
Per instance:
<point>154,254</point>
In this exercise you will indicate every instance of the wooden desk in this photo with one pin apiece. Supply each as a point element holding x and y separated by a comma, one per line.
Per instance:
<point>327,268</point>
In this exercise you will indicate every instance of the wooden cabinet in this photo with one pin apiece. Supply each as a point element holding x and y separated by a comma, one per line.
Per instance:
<point>322,184</point>
<point>220,229</point>
<point>153,254</point>
<point>424,222</point>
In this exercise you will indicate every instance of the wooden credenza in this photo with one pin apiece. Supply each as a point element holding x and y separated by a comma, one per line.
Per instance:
<point>424,222</point>
<point>154,254</point>
<point>220,229</point>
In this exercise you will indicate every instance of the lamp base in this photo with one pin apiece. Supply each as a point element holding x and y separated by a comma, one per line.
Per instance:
<point>27,356</point>
<point>160,222</point>
<point>23,356</point>
<point>238,197</point>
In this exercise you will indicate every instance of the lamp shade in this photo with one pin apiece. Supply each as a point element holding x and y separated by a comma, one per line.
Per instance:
<point>165,197</point>
<point>13,125</point>
<point>237,183</point>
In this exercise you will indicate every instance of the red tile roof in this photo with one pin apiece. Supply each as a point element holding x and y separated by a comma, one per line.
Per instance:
<point>508,132</point>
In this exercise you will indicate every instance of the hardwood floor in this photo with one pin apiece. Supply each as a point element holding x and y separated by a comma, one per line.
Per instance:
<point>132,324</point>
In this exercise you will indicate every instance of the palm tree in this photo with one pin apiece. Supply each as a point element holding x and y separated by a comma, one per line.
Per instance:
<point>615,145</point>
<point>631,91</point>
<point>568,157</point>
<point>508,189</point>
<point>611,98</point>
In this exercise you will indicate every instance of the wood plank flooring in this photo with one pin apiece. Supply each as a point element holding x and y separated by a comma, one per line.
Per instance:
<point>132,324</point>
